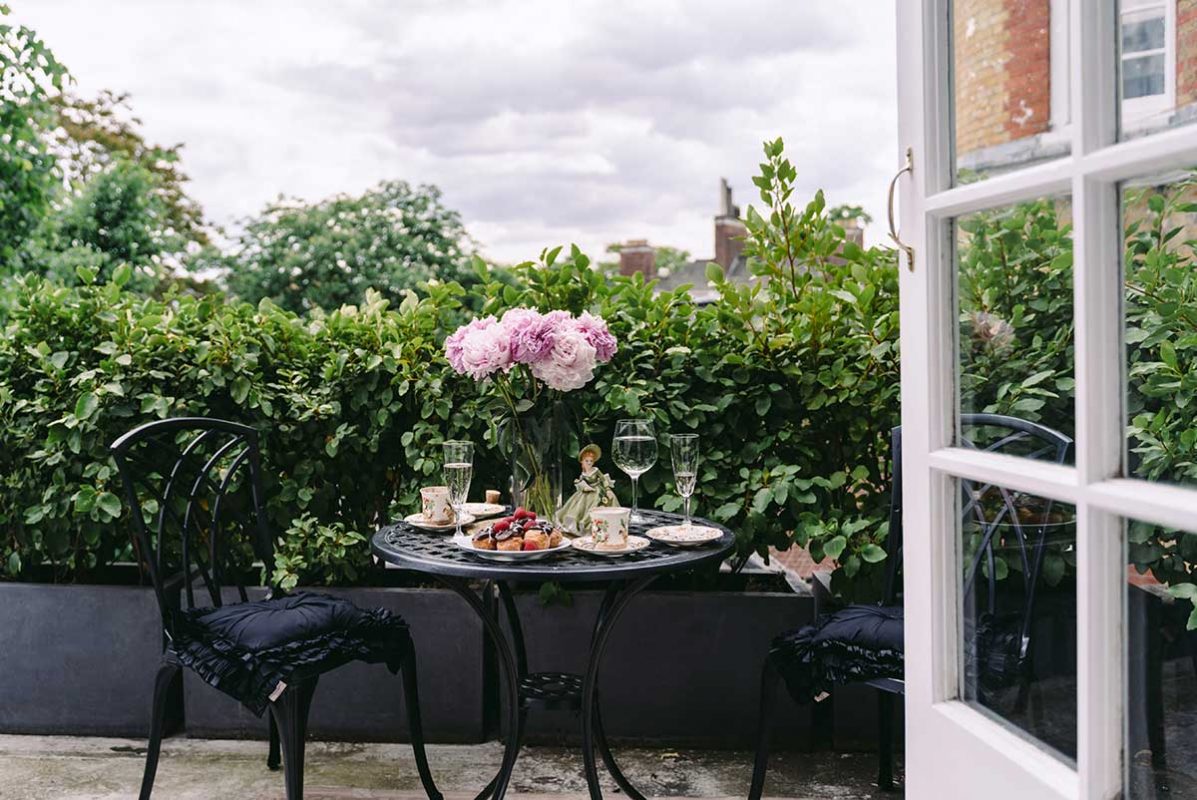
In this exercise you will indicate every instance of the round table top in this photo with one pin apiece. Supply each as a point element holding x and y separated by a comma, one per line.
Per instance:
<point>436,554</point>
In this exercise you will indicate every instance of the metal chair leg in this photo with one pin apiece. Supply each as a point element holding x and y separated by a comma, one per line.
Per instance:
<point>273,758</point>
<point>885,741</point>
<point>769,680</point>
<point>412,698</point>
<point>162,683</point>
<point>291,713</point>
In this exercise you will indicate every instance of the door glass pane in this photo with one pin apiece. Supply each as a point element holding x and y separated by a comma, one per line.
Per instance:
<point>1018,611</point>
<point>1161,651</point>
<point>1157,82</point>
<point>1009,85</point>
<point>1014,298</point>
<point>1159,216</point>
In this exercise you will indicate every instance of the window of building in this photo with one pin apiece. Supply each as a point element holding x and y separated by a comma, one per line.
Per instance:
<point>1147,48</point>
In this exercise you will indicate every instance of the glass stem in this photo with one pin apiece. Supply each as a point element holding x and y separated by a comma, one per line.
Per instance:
<point>635,505</point>
<point>457,514</point>
<point>686,511</point>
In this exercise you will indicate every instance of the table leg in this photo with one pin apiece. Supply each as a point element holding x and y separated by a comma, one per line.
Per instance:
<point>498,786</point>
<point>615,601</point>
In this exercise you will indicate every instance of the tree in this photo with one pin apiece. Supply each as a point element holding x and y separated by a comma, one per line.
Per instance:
<point>90,136</point>
<point>29,75</point>
<point>118,217</point>
<point>323,255</point>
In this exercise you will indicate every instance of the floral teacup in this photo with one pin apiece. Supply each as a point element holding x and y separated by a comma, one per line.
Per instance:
<point>434,505</point>
<point>609,527</point>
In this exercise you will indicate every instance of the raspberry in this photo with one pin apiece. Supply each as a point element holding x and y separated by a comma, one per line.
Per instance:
<point>502,525</point>
<point>530,545</point>
<point>519,513</point>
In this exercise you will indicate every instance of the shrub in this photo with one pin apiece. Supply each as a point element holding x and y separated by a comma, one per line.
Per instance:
<point>792,381</point>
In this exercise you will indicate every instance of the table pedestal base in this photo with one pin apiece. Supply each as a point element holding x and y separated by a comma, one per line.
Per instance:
<point>551,690</point>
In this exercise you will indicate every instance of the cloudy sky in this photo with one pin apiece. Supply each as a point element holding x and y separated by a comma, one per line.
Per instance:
<point>542,121</point>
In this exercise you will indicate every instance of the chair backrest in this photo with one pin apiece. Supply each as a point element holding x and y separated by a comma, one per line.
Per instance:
<point>993,433</point>
<point>194,490</point>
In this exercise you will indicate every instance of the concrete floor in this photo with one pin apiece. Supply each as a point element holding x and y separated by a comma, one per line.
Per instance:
<point>76,768</point>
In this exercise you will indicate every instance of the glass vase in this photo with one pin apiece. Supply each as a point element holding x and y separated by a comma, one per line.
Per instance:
<point>534,443</point>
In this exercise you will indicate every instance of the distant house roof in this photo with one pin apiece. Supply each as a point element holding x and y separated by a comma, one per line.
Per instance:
<point>694,273</point>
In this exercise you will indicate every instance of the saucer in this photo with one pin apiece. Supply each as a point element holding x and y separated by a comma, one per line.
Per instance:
<point>586,545</point>
<point>418,521</point>
<point>484,510</point>
<point>684,535</point>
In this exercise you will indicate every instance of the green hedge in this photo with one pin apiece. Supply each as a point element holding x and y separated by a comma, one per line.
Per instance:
<point>791,380</point>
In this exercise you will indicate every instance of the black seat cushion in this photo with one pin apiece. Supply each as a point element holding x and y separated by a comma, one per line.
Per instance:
<point>246,649</point>
<point>854,644</point>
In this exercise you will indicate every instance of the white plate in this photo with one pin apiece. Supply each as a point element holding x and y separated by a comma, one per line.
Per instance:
<point>417,521</point>
<point>586,545</point>
<point>467,543</point>
<point>484,510</point>
<point>684,535</point>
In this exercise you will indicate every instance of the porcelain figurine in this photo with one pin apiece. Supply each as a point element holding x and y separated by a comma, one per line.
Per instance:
<point>593,488</point>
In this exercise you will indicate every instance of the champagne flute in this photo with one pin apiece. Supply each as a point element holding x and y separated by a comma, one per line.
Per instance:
<point>458,471</point>
<point>684,449</point>
<point>635,451</point>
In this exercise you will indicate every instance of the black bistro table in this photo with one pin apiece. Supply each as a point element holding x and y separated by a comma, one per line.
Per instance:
<point>437,556</point>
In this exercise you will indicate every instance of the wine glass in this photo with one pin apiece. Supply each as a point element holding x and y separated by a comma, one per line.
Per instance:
<point>458,471</point>
<point>684,449</point>
<point>635,451</point>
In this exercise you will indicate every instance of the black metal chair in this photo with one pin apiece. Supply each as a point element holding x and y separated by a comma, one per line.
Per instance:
<point>194,490</point>
<point>863,644</point>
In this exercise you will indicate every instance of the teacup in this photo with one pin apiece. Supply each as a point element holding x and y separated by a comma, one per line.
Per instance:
<point>434,505</point>
<point>609,527</point>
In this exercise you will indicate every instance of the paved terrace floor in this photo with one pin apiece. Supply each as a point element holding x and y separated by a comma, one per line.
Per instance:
<point>75,768</point>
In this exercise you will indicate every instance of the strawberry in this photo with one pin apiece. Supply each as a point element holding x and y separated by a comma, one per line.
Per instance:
<point>530,545</point>
<point>519,513</point>
<point>502,525</point>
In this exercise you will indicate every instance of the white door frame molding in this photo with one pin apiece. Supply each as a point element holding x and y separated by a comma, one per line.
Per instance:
<point>954,749</point>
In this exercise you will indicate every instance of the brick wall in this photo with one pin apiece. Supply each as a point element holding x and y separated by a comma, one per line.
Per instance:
<point>1186,52</point>
<point>1002,53</point>
<point>729,240</point>
<point>638,256</point>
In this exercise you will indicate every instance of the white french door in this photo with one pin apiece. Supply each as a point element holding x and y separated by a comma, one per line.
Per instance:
<point>1030,174</point>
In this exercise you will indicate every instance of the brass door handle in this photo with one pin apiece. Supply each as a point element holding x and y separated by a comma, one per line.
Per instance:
<point>893,231</point>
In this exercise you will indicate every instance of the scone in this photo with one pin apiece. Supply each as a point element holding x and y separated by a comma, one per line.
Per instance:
<point>485,543</point>
<point>555,539</point>
<point>513,543</point>
<point>539,538</point>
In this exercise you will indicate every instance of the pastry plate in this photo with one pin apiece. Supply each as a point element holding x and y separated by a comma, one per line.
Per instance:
<point>484,510</point>
<point>586,545</point>
<point>514,556</point>
<point>684,535</point>
<point>417,521</point>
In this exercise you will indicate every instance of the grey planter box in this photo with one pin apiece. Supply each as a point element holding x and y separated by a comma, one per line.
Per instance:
<point>681,667</point>
<point>78,659</point>
<point>364,702</point>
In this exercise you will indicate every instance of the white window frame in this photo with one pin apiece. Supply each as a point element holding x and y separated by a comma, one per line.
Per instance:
<point>954,750</point>
<point>1140,113</point>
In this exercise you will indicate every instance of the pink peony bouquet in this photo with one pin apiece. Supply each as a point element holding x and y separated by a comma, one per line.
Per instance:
<point>559,349</point>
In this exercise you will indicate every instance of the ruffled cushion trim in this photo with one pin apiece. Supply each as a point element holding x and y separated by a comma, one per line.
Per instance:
<point>812,666</point>
<point>377,636</point>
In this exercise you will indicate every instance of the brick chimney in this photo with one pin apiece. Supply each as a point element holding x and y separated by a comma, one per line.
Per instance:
<point>729,229</point>
<point>638,256</point>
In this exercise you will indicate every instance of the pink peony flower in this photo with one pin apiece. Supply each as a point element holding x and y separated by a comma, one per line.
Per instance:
<point>571,362</point>
<point>480,348</point>
<point>595,330</point>
<point>531,335</point>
